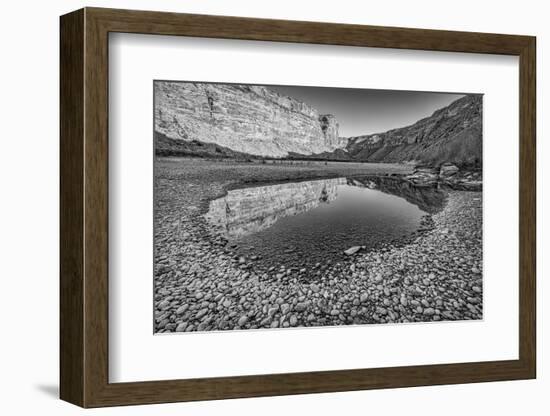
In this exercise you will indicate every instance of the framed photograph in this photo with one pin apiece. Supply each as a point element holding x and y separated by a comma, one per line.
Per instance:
<point>260,207</point>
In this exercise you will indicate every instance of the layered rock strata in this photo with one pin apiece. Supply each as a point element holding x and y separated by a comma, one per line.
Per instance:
<point>240,121</point>
<point>247,119</point>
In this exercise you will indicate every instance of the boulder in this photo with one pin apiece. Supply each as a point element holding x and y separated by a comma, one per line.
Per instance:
<point>352,250</point>
<point>447,169</point>
<point>424,176</point>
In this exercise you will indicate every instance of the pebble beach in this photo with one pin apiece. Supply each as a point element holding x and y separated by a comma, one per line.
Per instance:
<point>203,284</point>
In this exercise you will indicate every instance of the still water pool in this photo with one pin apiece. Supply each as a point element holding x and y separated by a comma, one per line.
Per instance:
<point>302,223</point>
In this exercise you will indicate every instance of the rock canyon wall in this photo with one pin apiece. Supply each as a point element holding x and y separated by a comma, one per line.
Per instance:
<point>247,119</point>
<point>242,121</point>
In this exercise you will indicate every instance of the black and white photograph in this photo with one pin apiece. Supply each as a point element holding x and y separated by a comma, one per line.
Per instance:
<point>294,206</point>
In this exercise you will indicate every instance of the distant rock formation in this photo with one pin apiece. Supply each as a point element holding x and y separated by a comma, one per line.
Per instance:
<point>447,175</point>
<point>241,121</point>
<point>246,119</point>
<point>452,134</point>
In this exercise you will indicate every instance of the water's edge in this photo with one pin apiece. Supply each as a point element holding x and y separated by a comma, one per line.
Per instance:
<point>429,200</point>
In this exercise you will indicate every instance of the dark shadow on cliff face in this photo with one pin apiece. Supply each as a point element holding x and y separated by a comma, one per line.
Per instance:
<point>430,199</point>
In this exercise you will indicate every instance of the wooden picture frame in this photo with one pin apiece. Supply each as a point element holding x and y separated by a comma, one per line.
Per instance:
<point>84,207</point>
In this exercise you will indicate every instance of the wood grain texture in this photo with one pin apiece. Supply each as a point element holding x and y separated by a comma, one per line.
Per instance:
<point>527,208</point>
<point>162,23</point>
<point>84,207</point>
<point>96,209</point>
<point>71,213</point>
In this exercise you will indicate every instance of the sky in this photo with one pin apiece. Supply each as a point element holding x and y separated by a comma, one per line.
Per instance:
<point>365,111</point>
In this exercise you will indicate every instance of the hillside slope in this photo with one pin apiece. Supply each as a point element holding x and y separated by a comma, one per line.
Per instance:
<point>239,121</point>
<point>452,134</point>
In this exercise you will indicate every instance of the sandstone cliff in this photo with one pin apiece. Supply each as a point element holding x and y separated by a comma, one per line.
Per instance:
<point>246,119</point>
<point>240,121</point>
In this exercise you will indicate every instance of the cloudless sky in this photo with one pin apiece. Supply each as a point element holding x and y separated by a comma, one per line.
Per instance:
<point>364,111</point>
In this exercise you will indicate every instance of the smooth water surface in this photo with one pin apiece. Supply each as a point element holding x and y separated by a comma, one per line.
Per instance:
<point>302,223</point>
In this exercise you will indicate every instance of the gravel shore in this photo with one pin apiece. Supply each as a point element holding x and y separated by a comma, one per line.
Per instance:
<point>201,285</point>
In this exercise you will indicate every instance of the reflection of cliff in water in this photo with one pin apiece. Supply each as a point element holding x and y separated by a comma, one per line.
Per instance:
<point>249,210</point>
<point>428,199</point>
